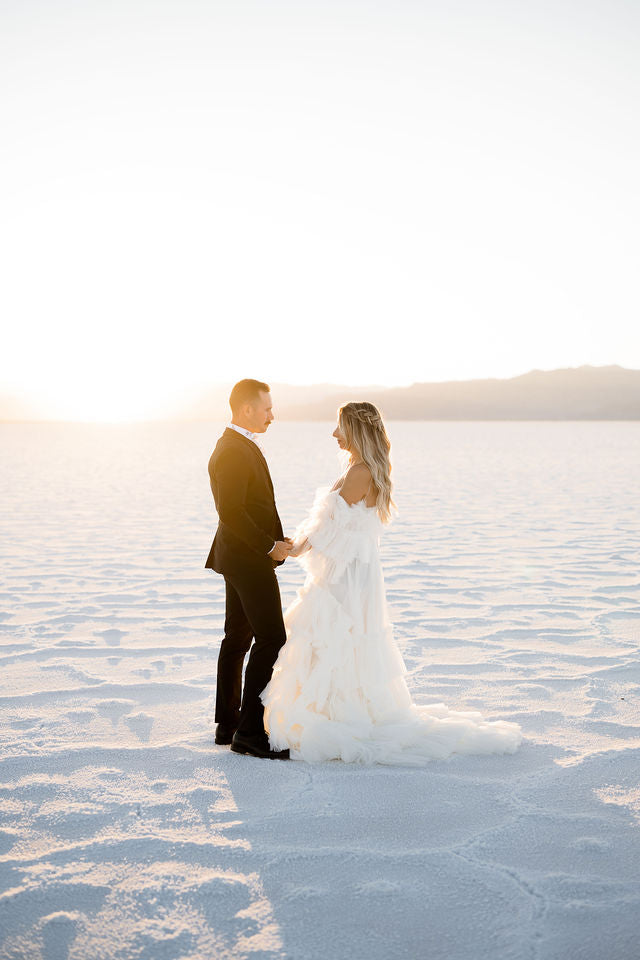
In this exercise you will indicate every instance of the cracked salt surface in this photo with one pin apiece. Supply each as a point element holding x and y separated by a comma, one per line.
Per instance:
<point>512,575</point>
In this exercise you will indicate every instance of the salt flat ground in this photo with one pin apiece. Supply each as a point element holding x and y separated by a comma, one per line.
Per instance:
<point>514,582</point>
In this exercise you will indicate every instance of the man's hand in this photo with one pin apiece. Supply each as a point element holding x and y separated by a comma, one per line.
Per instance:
<point>282,549</point>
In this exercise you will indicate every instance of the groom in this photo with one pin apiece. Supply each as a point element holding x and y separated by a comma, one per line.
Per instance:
<point>247,547</point>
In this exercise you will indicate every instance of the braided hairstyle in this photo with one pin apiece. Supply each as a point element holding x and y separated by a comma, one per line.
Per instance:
<point>365,434</point>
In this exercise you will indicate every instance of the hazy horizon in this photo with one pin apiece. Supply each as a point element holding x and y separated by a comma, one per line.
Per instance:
<point>607,392</point>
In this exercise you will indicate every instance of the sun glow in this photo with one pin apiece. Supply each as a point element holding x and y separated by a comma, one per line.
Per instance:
<point>102,403</point>
<point>107,394</point>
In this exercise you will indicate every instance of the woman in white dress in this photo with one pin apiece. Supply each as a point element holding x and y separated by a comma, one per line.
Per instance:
<point>338,689</point>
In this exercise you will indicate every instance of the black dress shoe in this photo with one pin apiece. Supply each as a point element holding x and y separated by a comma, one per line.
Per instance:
<point>224,735</point>
<point>257,747</point>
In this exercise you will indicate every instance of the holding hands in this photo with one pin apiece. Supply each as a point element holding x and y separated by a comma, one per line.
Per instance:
<point>299,547</point>
<point>281,549</point>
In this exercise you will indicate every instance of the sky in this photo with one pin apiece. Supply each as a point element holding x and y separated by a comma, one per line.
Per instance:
<point>354,192</point>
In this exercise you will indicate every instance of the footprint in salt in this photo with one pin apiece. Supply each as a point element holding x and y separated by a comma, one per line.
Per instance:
<point>7,840</point>
<point>140,724</point>
<point>80,716</point>
<point>58,933</point>
<point>112,637</point>
<point>114,710</point>
<point>28,723</point>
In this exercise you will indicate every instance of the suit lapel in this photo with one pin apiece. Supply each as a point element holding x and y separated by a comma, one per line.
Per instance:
<point>234,435</point>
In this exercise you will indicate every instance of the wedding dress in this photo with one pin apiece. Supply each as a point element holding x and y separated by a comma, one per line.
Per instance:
<point>338,689</point>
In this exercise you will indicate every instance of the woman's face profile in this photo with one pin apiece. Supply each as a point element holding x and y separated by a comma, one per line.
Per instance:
<point>340,437</point>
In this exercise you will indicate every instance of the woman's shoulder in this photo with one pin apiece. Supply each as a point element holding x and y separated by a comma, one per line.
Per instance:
<point>358,470</point>
<point>357,483</point>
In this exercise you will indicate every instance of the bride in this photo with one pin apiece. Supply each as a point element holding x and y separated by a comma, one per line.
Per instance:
<point>338,689</point>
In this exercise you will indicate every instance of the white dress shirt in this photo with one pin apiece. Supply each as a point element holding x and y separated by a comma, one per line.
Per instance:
<point>254,438</point>
<point>245,433</point>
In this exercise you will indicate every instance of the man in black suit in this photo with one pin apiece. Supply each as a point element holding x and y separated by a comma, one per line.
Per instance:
<point>247,547</point>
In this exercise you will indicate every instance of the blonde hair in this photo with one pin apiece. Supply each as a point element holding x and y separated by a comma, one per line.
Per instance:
<point>365,435</point>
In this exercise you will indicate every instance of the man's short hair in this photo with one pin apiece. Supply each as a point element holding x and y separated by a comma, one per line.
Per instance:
<point>246,391</point>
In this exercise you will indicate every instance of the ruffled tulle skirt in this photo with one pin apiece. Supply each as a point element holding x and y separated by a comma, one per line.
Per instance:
<point>338,689</point>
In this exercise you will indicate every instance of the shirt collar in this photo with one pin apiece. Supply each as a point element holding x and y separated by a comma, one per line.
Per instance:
<point>245,433</point>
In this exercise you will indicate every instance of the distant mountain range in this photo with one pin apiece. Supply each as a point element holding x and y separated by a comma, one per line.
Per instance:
<point>575,393</point>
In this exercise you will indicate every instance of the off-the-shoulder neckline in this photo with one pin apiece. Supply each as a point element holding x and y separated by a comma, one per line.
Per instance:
<point>358,503</point>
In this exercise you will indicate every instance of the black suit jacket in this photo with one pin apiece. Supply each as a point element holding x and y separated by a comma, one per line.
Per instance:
<point>248,522</point>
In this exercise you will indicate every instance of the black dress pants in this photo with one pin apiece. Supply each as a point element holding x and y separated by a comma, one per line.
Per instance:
<point>253,612</point>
